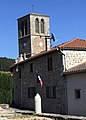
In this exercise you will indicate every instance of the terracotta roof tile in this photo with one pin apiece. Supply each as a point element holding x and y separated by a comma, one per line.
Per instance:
<point>76,43</point>
<point>43,53</point>
<point>78,68</point>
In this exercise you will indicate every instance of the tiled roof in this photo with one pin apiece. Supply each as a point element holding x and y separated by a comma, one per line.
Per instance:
<point>43,53</point>
<point>76,43</point>
<point>76,69</point>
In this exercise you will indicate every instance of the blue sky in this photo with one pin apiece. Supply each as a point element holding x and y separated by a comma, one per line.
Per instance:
<point>67,21</point>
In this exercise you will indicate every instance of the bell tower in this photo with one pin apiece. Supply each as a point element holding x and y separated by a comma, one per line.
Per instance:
<point>33,34</point>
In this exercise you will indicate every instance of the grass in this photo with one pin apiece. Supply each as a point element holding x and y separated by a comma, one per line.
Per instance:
<point>22,116</point>
<point>15,116</point>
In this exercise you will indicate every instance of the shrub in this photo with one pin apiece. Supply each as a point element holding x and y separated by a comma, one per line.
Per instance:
<point>6,84</point>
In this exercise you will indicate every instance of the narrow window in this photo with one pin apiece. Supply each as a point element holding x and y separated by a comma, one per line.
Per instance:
<point>49,63</point>
<point>42,26</point>
<point>77,93</point>
<point>54,92</point>
<point>20,32</point>
<point>31,92</point>
<point>22,28</point>
<point>48,92</point>
<point>26,27</point>
<point>51,92</point>
<point>19,70</point>
<point>37,25</point>
<point>31,67</point>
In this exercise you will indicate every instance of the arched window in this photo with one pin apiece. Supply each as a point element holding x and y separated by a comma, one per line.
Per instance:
<point>37,25</point>
<point>42,26</point>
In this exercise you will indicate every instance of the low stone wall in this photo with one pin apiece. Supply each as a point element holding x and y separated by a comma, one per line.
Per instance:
<point>50,115</point>
<point>62,117</point>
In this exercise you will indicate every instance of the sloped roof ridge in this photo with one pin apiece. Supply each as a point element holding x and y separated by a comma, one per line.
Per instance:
<point>76,43</point>
<point>68,42</point>
<point>78,68</point>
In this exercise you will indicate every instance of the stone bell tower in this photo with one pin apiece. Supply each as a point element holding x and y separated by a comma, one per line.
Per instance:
<point>33,34</point>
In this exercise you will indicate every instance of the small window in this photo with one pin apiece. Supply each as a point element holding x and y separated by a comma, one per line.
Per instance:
<point>49,63</point>
<point>42,26</point>
<point>26,27</point>
<point>54,92</point>
<point>19,71</point>
<point>20,31</point>
<point>37,25</point>
<point>31,67</point>
<point>51,92</point>
<point>31,92</point>
<point>22,28</point>
<point>48,92</point>
<point>77,93</point>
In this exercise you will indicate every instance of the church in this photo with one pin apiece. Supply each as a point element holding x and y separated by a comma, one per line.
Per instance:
<point>38,59</point>
<point>57,74</point>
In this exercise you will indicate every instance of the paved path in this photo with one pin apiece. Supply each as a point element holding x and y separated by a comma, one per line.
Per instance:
<point>8,114</point>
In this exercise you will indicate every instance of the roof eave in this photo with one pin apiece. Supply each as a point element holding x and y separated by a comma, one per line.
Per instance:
<point>72,48</point>
<point>36,56</point>
<point>74,72</point>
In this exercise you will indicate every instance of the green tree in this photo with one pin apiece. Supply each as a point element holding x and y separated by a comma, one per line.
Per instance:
<point>6,83</point>
<point>5,63</point>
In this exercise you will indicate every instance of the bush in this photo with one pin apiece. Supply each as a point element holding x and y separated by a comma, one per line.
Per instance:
<point>6,83</point>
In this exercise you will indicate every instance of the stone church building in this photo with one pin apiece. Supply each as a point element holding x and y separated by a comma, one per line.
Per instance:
<point>62,69</point>
<point>37,58</point>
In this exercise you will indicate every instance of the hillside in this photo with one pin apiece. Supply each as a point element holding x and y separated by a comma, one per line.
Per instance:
<point>5,63</point>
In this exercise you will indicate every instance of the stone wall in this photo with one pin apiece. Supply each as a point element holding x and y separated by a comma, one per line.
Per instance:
<point>73,58</point>
<point>33,43</point>
<point>38,41</point>
<point>38,44</point>
<point>46,24</point>
<point>49,78</point>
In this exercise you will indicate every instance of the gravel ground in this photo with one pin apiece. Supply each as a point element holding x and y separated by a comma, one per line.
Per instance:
<point>32,118</point>
<point>29,118</point>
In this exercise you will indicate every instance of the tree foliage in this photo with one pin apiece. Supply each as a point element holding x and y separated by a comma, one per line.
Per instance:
<point>6,84</point>
<point>5,63</point>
